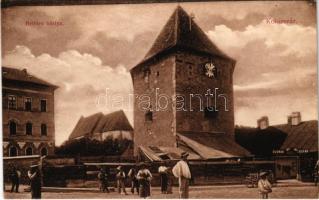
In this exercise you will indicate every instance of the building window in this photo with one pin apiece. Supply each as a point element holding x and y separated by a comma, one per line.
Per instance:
<point>210,112</point>
<point>12,128</point>
<point>190,70</point>
<point>149,116</point>
<point>43,105</point>
<point>28,103</point>
<point>28,128</point>
<point>13,151</point>
<point>12,102</point>
<point>44,151</point>
<point>29,151</point>
<point>157,73</point>
<point>44,130</point>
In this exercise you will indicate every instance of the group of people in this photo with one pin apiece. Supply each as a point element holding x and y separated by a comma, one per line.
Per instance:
<point>34,176</point>
<point>140,178</point>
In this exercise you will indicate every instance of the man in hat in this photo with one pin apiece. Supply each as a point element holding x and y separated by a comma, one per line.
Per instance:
<point>264,185</point>
<point>182,172</point>
<point>163,171</point>
<point>35,181</point>
<point>144,177</point>
<point>120,176</point>
<point>134,182</point>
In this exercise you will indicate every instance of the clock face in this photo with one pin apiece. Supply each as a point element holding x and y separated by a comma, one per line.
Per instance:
<point>210,70</point>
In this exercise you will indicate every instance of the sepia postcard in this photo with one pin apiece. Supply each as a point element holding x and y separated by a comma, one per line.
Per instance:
<point>159,99</point>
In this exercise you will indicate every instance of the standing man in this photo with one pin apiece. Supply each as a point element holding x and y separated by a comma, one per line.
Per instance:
<point>264,185</point>
<point>182,172</point>
<point>163,171</point>
<point>120,176</point>
<point>15,179</point>
<point>144,176</point>
<point>35,181</point>
<point>134,182</point>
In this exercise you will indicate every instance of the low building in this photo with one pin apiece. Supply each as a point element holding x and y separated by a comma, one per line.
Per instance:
<point>28,114</point>
<point>101,126</point>
<point>293,146</point>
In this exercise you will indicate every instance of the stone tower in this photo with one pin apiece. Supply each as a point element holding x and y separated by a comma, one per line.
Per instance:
<point>184,83</point>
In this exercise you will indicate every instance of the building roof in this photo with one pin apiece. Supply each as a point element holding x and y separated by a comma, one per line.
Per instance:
<point>9,73</point>
<point>181,32</point>
<point>302,136</point>
<point>100,123</point>
<point>112,122</point>
<point>212,145</point>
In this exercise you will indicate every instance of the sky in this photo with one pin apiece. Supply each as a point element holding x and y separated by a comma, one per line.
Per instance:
<point>90,55</point>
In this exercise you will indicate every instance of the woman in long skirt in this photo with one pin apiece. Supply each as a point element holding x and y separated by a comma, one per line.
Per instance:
<point>144,176</point>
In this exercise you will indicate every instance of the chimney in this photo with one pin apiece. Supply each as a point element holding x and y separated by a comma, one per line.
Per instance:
<point>294,118</point>
<point>263,122</point>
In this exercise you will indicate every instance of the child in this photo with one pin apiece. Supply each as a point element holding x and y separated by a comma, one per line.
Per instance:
<point>264,185</point>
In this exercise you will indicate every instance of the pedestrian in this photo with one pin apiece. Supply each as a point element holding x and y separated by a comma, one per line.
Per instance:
<point>120,176</point>
<point>182,172</point>
<point>144,177</point>
<point>264,185</point>
<point>316,173</point>
<point>170,182</point>
<point>163,172</point>
<point>132,174</point>
<point>35,181</point>
<point>15,179</point>
<point>103,179</point>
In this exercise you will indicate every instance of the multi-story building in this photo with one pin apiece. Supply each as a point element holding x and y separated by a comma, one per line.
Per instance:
<point>28,114</point>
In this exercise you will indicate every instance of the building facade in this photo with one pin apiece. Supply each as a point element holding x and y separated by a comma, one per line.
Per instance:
<point>28,114</point>
<point>184,84</point>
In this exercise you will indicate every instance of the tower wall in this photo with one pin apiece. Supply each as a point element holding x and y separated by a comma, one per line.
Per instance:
<point>161,130</point>
<point>191,80</point>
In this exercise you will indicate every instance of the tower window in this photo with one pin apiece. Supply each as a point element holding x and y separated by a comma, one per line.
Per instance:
<point>157,73</point>
<point>29,151</point>
<point>147,75</point>
<point>149,116</point>
<point>28,104</point>
<point>43,105</point>
<point>210,112</point>
<point>13,151</point>
<point>28,128</point>
<point>44,131</point>
<point>12,102</point>
<point>190,70</point>
<point>13,128</point>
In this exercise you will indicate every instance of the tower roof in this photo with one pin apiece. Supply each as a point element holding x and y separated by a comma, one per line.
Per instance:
<point>181,32</point>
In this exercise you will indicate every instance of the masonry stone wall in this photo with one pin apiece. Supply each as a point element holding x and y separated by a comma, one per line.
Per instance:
<point>192,84</point>
<point>160,131</point>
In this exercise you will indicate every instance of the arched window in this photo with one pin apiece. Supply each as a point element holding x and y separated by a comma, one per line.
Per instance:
<point>13,128</point>
<point>44,151</point>
<point>28,128</point>
<point>44,130</point>
<point>29,151</point>
<point>13,151</point>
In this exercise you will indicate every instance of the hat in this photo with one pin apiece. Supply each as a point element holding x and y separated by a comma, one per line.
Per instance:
<point>184,154</point>
<point>263,173</point>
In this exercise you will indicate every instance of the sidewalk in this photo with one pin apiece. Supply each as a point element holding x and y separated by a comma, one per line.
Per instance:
<point>281,183</point>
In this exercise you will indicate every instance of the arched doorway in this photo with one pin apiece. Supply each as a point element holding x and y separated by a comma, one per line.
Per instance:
<point>28,151</point>
<point>13,151</point>
<point>44,151</point>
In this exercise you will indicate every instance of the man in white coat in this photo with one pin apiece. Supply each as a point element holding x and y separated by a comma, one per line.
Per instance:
<point>182,172</point>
